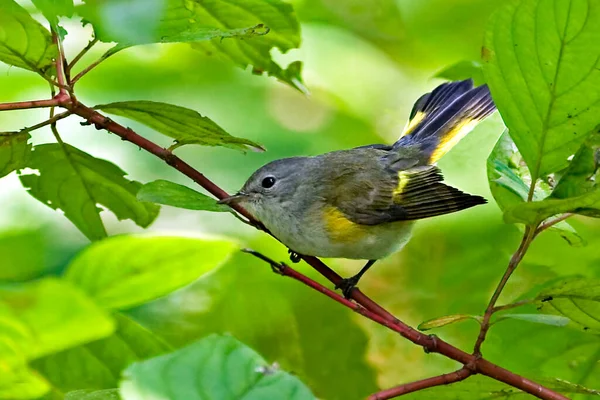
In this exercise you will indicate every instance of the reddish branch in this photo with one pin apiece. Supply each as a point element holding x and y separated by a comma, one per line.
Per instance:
<point>362,304</point>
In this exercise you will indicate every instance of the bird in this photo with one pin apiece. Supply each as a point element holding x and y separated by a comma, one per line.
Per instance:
<point>362,203</point>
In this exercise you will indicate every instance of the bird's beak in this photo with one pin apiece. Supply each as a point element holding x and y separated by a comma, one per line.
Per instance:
<point>233,199</point>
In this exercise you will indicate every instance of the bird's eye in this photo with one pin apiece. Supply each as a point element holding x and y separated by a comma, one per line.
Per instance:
<point>268,182</point>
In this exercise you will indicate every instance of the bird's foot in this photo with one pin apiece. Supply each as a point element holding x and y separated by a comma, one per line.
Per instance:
<point>294,257</point>
<point>347,285</point>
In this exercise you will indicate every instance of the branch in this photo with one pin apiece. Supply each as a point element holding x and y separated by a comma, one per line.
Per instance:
<point>59,64</point>
<point>91,67</point>
<point>512,265</point>
<point>444,379</point>
<point>24,105</point>
<point>82,53</point>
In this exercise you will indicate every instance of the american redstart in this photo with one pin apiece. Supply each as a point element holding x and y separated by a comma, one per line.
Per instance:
<point>361,203</point>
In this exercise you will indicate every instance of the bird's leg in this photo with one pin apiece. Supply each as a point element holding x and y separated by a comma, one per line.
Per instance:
<point>294,257</point>
<point>348,284</point>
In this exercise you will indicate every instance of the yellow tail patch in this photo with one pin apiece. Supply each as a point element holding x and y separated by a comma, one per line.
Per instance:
<point>341,229</point>
<point>413,123</point>
<point>452,137</point>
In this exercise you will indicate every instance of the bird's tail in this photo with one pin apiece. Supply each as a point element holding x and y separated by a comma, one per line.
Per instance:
<point>440,119</point>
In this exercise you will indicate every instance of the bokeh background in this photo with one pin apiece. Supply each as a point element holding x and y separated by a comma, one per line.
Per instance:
<point>365,63</point>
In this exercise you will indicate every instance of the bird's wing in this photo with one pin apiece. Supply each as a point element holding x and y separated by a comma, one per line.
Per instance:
<point>416,193</point>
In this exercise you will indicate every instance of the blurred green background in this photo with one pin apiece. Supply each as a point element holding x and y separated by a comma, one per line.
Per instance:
<point>365,63</point>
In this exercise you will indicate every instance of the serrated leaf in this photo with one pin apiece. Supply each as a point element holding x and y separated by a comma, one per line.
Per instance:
<point>445,320</point>
<point>507,177</point>
<point>463,70</point>
<point>482,387</point>
<point>544,76</point>
<point>91,394</point>
<point>52,9</point>
<point>577,299</point>
<point>56,314</point>
<point>76,182</point>
<point>175,195</point>
<point>24,42</point>
<point>125,271</point>
<point>253,26</point>
<point>182,124</point>
<point>545,319</point>
<point>14,152</point>
<point>216,367</point>
<point>21,384</point>
<point>99,364</point>
<point>577,191</point>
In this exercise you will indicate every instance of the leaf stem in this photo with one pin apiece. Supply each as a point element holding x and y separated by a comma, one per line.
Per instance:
<point>444,379</point>
<point>90,67</point>
<point>551,223</point>
<point>59,64</point>
<point>82,53</point>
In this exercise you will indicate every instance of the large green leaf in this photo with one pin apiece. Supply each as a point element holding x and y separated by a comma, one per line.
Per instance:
<point>216,367</point>
<point>57,316</point>
<point>507,174</point>
<point>182,124</point>
<point>541,63</point>
<point>75,182</point>
<point>575,298</point>
<point>254,26</point>
<point>99,364</point>
<point>125,271</point>
<point>14,152</point>
<point>55,8</point>
<point>577,191</point>
<point>24,42</point>
<point>482,387</point>
<point>21,384</point>
<point>175,195</point>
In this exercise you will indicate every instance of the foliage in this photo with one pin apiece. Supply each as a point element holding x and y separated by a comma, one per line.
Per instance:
<point>144,316</point>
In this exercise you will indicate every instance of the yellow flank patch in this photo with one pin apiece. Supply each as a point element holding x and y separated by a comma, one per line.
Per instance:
<point>341,229</point>
<point>454,135</point>
<point>403,179</point>
<point>412,124</point>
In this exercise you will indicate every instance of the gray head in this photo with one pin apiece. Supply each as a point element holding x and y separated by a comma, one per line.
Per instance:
<point>271,185</point>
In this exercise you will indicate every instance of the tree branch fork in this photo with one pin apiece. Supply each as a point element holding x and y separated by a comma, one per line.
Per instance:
<point>472,363</point>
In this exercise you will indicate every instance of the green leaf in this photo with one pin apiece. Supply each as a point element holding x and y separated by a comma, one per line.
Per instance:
<point>254,26</point>
<point>24,42</point>
<point>91,394</point>
<point>482,387</point>
<point>75,182</point>
<point>57,316</point>
<point>175,195</point>
<point>52,9</point>
<point>577,299</point>
<point>21,384</point>
<point>541,59</point>
<point>182,124</point>
<point>125,271</point>
<point>99,364</point>
<point>216,367</point>
<point>14,152</point>
<point>463,70</point>
<point>554,320</point>
<point>446,320</point>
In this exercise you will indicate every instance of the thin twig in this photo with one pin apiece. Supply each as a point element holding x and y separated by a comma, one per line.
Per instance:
<point>510,306</point>
<point>53,119</point>
<point>90,67</point>
<point>551,223</point>
<point>59,64</point>
<point>512,265</point>
<point>25,105</point>
<point>411,387</point>
<point>82,53</point>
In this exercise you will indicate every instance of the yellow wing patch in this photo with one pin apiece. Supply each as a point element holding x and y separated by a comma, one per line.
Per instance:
<point>412,123</point>
<point>454,135</point>
<point>403,179</point>
<point>341,229</point>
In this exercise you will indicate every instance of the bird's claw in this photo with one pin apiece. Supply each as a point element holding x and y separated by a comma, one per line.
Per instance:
<point>347,285</point>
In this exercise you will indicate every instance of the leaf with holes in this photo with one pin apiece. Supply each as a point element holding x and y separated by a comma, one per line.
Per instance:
<point>75,182</point>
<point>175,195</point>
<point>251,29</point>
<point>542,66</point>
<point>52,9</point>
<point>577,191</point>
<point>99,364</point>
<point>55,315</point>
<point>507,176</point>
<point>577,299</point>
<point>125,271</point>
<point>216,367</point>
<point>24,42</point>
<point>14,152</point>
<point>182,124</point>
